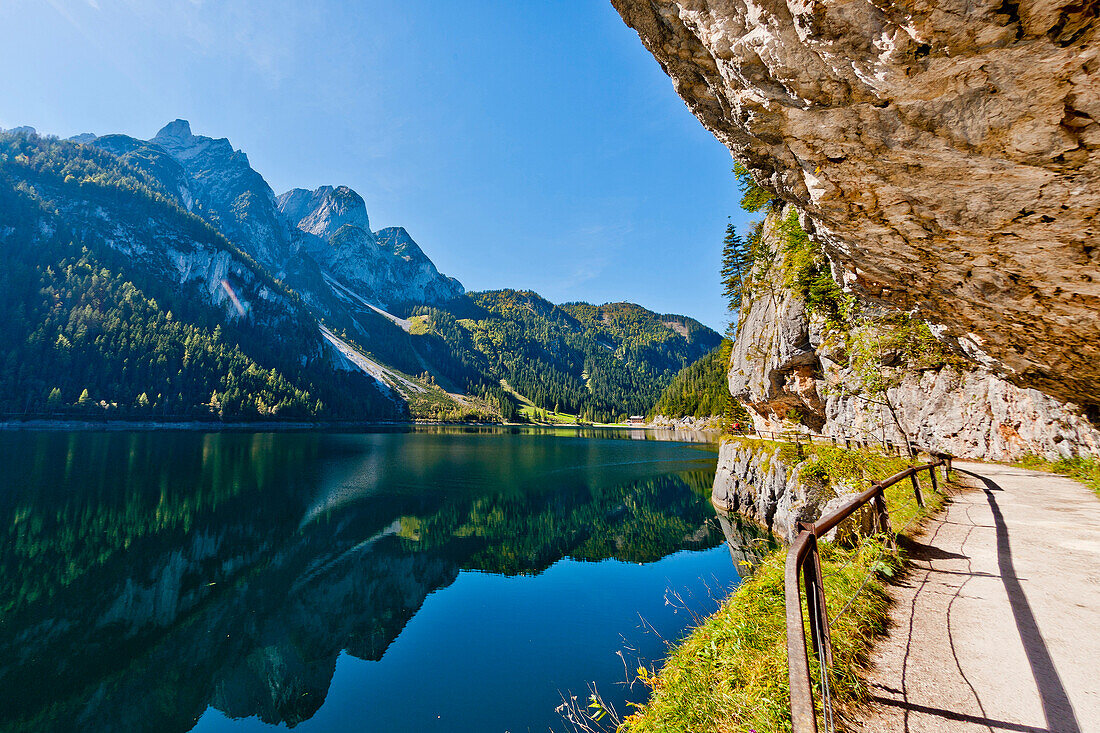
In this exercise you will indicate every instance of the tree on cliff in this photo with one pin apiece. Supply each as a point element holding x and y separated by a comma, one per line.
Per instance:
<point>753,196</point>
<point>737,261</point>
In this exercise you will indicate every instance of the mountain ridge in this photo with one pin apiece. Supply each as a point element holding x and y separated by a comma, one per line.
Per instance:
<point>303,286</point>
<point>124,304</point>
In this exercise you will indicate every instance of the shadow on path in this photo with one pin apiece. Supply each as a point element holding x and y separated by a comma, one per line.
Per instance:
<point>960,717</point>
<point>918,551</point>
<point>1057,709</point>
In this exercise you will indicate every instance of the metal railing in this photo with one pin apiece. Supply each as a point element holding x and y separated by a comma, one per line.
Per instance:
<point>803,569</point>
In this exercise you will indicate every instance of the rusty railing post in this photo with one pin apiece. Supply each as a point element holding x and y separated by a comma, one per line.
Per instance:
<point>882,516</point>
<point>803,716</point>
<point>803,568</point>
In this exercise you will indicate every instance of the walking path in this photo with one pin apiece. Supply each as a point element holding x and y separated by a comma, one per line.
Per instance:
<point>997,626</point>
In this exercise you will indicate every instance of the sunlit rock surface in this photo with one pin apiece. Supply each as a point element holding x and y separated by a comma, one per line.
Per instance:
<point>757,484</point>
<point>783,362</point>
<point>754,481</point>
<point>946,152</point>
<point>386,267</point>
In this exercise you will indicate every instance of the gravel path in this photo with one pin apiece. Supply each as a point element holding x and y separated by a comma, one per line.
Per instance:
<point>997,626</point>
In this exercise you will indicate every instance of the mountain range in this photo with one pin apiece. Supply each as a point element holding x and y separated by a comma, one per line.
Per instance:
<point>163,278</point>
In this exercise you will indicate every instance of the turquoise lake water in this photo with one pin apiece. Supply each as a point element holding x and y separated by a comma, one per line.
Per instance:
<point>438,579</point>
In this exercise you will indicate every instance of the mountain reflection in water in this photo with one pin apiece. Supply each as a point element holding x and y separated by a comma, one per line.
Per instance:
<point>147,577</point>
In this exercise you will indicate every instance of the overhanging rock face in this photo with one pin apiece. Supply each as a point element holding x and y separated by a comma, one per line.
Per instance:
<point>787,359</point>
<point>945,151</point>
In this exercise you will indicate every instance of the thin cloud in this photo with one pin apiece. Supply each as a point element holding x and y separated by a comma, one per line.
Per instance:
<point>64,13</point>
<point>247,29</point>
<point>583,273</point>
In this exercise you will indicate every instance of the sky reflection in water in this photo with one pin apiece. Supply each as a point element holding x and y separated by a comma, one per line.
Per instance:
<point>427,580</point>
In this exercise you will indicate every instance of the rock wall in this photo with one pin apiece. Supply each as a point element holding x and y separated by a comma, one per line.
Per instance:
<point>971,414</point>
<point>945,152</point>
<point>758,485</point>
<point>786,359</point>
<point>754,482</point>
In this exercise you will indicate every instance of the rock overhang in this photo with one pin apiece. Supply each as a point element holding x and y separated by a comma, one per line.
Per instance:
<point>945,154</point>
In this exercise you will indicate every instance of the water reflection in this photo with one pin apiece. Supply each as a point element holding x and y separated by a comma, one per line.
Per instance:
<point>148,577</point>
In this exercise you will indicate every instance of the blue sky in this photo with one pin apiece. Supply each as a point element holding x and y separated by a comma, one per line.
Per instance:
<point>523,144</point>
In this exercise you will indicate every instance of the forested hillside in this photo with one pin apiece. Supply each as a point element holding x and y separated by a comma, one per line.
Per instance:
<point>699,390</point>
<point>600,363</point>
<point>137,281</point>
<point>98,325</point>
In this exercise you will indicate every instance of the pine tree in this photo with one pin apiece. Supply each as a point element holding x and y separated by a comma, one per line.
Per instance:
<point>736,265</point>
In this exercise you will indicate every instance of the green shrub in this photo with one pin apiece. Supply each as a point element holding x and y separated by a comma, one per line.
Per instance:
<point>753,196</point>
<point>807,273</point>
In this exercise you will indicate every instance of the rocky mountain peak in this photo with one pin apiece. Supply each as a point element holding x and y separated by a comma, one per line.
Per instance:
<point>306,237</point>
<point>294,204</point>
<point>175,130</point>
<point>385,267</point>
<point>398,241</point>
<point>324,211</point>
<point>177,139</point>
<point>218,181</point>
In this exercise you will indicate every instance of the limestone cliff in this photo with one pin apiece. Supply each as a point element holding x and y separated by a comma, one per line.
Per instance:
<point>777,493</point>
<point>386,267</point>
<point>869,377</point>
<point>945,152</point>
<point>759,485</point>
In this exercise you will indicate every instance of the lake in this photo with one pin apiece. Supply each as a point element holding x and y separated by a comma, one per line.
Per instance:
<point>413,580</point>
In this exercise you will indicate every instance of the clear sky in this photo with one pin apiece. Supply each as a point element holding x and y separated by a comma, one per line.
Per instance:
<point>523,144</point>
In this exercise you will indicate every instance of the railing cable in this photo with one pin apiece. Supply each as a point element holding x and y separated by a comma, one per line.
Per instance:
<point>826,688</point>
<point>874,565</point>
<point>803,560</point>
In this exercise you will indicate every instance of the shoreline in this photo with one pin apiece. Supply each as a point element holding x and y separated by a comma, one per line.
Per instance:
<point>258,426</point>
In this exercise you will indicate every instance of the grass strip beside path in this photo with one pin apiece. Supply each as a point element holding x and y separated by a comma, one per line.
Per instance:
<point>730,673</point>
<point>1085,470</point>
